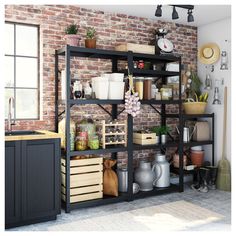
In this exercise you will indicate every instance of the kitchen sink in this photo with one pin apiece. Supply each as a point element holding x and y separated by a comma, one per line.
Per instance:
<point>21,132</point>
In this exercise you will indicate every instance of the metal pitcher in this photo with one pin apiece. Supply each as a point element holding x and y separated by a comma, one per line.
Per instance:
<point>144,176</point>
<point>161,169</point>
<point>186,133</point>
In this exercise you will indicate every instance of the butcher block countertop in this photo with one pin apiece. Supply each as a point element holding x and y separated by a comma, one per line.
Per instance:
<point>39,134</point>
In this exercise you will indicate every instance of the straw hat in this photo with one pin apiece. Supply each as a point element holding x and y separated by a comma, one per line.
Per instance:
<point>209,53</point>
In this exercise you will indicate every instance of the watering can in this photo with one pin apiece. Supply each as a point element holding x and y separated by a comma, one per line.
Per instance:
<point>186,133</point>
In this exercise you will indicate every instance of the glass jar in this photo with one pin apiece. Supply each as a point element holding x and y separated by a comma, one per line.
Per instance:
<point>147,91</point>
<point>139,87</point>
<point>87,125</point>
<point>81,143</point>
<point>93,142</point>
<point>140,64</point>
<point>62,130</point>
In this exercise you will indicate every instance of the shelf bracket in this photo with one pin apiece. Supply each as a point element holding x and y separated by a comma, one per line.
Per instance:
<point>154,108</point>
<point>105,110</point>
<point>120,111</point>
<point>171,136</point>
<point>64,111</point>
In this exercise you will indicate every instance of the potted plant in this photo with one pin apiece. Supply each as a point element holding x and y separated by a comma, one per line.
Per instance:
<point>163,132</point>
<point>72,38</point>
<point>196,101</point>
<point>156,129</point>
<point>90,41</point>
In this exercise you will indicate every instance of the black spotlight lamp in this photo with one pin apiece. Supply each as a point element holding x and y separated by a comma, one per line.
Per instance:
<point>190,16</point>
<point>175,14</point>
<point>158,11</point>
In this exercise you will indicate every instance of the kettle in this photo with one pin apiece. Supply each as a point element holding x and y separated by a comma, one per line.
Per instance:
<point>186,133</point>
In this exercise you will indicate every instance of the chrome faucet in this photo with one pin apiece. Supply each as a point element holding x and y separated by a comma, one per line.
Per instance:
<point>10,108</point>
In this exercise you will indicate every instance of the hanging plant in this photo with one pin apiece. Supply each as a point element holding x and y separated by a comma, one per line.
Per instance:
<point>132,103</point>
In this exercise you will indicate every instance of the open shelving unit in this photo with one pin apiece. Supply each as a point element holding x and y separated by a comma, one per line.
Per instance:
<point>68,52</point>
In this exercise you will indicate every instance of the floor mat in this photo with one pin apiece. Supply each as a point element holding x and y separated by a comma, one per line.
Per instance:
<point>179,215</point>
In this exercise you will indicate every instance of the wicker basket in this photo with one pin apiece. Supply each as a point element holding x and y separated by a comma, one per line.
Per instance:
<point>194,107</point>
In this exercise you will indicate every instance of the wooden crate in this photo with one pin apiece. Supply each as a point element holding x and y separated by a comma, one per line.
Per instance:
<point>144,135</point>
<point>136,48</point>
<point>86,179</point>
<point>145,141</point>
<point>144,138</point>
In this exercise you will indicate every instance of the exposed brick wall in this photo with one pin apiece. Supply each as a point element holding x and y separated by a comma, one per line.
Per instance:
<point>112,29</point>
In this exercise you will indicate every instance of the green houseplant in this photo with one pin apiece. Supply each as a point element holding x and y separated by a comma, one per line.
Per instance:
<point>161,131</point>
<point>90,41</point>
<point>71,36</point>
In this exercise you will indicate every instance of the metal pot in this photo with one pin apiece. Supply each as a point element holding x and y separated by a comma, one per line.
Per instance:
<point>144,176</point>
<point>161,168</point>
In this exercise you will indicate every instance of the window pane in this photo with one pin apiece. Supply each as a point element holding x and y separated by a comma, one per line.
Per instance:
<point>26,103</point>
<point>8,93</point>
<point>9,71</point>
<point>9,39</point>
<point>26,72</point>
<point>26,40</point>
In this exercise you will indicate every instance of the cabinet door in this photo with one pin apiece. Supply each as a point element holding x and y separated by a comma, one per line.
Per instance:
<point>41,179</point>
<point>12,182</point>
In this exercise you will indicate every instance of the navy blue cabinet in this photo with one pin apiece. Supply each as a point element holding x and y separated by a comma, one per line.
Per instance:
<point>32,181</point>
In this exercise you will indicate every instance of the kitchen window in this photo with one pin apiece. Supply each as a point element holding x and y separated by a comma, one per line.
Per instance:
<point>22,69</point>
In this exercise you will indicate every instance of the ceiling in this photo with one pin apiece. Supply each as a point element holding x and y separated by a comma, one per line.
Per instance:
<point>203,14</point>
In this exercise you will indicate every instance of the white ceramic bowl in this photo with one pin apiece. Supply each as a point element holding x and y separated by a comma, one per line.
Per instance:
<point>196,148</point>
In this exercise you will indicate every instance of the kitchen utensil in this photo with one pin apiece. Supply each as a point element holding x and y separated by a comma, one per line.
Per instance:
<point>223,181</point>
<point>122,179</point>
<point>161,168</point>
<point>136,188</point>
<point>144,176</point>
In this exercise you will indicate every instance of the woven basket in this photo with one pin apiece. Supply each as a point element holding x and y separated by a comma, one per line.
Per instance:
<point>194,107</point>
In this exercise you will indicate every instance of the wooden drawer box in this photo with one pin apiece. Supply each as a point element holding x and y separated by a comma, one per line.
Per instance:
<point>136,48</point>
<point>144,139</point>
<point>86,179</point>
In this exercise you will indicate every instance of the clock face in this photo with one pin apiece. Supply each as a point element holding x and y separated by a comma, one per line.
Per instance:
<point>165,45</point>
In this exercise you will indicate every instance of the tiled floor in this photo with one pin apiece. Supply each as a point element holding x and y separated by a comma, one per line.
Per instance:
<point>214,200</point>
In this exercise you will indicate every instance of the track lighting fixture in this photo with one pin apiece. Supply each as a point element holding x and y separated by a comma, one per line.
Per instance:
<point>175,14</point>
<point>190,16</point>
<point>158,11</point>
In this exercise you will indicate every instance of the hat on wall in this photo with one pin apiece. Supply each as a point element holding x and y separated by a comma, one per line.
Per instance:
<point>209,53</point>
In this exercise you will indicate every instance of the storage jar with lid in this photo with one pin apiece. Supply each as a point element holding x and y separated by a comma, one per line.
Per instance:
<point>87,125</point>
<point>93,142</point>
<point>62,130</point>
<point>147,93</point>
<point>139,87</point>
<point>81,143</point>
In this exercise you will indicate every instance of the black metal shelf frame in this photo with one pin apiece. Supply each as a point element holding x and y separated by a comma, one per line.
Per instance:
<point>67,52</point>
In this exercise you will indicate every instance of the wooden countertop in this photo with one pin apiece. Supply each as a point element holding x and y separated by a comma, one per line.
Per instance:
<point>44,134</point>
